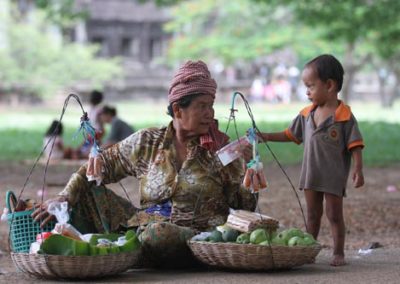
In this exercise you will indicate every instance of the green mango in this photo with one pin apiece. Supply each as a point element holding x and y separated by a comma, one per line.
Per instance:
<point>295,241</point>
<point>290,233</point>
<point>258,236</point>
<point>243,238</point>
<point>309,241</point>
<point>265,243</point>
<point>215,237</point>
<point>61,245</point>
<point>279,240</point>
<point>229,235</point>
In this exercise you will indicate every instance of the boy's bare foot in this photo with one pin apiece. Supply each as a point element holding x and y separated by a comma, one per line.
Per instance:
<point>338,260</point>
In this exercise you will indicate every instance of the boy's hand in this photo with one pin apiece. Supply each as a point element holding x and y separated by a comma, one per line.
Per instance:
<point>358,178</point>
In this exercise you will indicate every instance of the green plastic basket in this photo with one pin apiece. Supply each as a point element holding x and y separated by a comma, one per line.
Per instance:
<point>23,229</point>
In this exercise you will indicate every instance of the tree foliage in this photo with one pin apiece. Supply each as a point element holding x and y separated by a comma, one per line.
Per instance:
<point>237,31</point>
<point>36,61</point>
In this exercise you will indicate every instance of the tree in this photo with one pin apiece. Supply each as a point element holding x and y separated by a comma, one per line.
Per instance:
<point>36,61</point>
<point>354,23</point>
<point>387,46</point>
<point>239,30</point>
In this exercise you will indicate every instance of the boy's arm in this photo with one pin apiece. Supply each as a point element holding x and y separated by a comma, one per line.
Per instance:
<point>358,177</point>
<point>275,137</point>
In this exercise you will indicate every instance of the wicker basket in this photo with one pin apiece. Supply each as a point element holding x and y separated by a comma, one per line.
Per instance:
<point>253,257</point>
<point>78,267</point>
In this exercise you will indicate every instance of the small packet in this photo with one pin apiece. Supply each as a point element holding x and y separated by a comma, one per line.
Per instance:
<point>60,210</point>
<point>254,178</point>
<point>232,151</point>
<point>94,169</point>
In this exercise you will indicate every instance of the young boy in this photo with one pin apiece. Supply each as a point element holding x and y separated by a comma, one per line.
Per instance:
<point>331,138</point>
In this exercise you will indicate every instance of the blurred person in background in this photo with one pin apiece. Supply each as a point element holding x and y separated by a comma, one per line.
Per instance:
<point>119,129</point>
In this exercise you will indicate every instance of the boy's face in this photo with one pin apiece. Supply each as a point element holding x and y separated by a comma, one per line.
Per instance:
<point>317,90</point>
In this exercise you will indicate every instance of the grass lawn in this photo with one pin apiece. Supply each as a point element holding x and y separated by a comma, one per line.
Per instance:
<point>22,129</point>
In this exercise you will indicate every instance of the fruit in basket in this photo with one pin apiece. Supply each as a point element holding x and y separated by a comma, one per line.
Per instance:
<point>243,238</point>
<point>279,240</point>
<point>287,234</point>
<point>295,241</point>
<point>215,237</point>
<point>265,243</point>
<point>228,234</point>
<point>309,239</point>
<point>258,236</point>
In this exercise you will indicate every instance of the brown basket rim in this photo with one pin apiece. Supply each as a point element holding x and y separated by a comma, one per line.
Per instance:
<point>253,256</point>
<point>42,265</point>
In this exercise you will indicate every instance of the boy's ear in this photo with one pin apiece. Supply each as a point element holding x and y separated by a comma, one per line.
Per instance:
<point>331,85</point>
<point>176,110</point>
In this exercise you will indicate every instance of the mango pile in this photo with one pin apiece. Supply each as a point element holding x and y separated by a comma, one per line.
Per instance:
<point>290,237</point>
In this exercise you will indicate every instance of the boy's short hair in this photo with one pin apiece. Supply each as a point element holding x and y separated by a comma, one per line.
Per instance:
<point>96,97</point>
<point>328,67</point>
<point>109,110</point>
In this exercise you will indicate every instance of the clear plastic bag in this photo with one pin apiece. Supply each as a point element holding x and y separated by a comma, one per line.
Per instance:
<point>60,210</point>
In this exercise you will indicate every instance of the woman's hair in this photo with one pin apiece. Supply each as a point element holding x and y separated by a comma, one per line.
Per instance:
<point>328,67</point>
<point>182,103</point>
<point>56,128</point>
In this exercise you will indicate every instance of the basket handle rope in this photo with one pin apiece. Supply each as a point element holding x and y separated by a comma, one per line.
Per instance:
<point>257,131</point>
<point>11,201</point>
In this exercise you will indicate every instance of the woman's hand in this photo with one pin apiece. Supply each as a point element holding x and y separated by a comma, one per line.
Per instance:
<point>40,213</point>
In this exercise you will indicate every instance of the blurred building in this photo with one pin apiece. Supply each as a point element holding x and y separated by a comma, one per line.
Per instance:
<point>134,32</point>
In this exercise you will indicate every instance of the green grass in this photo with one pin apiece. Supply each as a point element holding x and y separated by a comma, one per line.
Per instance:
<point>22,130</point>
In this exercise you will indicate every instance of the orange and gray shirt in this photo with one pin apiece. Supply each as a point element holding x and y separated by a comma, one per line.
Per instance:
<point>327,148</point>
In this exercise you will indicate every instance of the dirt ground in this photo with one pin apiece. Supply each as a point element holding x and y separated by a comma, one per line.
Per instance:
<point>371,213</point>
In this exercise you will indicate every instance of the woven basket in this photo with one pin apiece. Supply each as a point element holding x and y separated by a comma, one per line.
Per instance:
<point>253,257</point>
<point>77,267</point>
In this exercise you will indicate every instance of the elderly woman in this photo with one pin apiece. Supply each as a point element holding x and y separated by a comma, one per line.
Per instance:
<point>183,186</point>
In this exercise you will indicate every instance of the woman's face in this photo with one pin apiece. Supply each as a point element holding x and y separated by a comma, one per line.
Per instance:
<point>197,118</point>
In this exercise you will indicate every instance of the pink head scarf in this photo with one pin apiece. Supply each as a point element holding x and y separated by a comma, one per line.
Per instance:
<point>193,77</point>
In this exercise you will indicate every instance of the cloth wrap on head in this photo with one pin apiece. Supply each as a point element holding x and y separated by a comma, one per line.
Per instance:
<point>193,77</point>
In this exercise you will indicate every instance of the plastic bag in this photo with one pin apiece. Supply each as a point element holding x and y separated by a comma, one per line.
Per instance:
<point>4,215</point>
<point>232,151</point>
<point>94,170</point>
<point>60,210</point>
<point>254,178</point>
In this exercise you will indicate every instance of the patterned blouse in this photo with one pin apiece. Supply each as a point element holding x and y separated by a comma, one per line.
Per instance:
<point>200,193</point>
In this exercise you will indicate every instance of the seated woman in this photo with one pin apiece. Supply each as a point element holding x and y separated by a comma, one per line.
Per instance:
<point>184,188</point>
